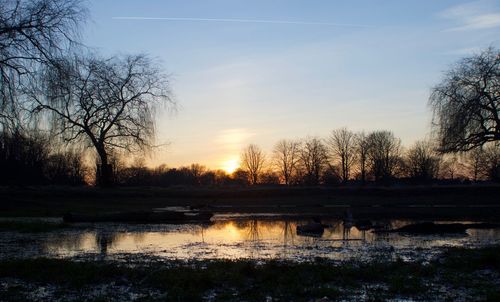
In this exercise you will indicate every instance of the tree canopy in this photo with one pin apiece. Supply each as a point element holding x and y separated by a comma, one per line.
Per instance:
<point>107,103</point>
<point>32,33</point>
<point>466,103</point>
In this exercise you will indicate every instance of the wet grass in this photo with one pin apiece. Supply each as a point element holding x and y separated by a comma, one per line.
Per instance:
<point>31,226</point>
<point>458,270</point>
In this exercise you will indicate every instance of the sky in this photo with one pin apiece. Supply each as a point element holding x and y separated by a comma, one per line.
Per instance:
<point>259,71</point>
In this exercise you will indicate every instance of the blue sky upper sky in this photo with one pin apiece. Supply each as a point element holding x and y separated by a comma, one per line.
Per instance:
<point>259,71</point>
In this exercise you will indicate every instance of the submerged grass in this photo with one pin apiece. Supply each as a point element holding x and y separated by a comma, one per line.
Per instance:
<point>235,280</point>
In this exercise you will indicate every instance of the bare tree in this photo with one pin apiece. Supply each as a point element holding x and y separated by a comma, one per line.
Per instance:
<point>384,153</point>
<point>342,145</point>
<point>422,161</point>
<point>477,163</point>
<point>466,103</point>
<point>492,151</point>
<point>451,168</point>
<point>197,171</point>
<point>269,177</point>
<point>362,148</point>
<point>313,159</point>
<point>32,33</point>
<point>286,157</point>
<point>23,157</point>
<point>106,103</point>
<point>253,159</point>
<point>240,176</point>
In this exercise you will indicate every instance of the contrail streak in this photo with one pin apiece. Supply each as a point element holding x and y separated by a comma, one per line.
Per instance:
<point>242,21</point>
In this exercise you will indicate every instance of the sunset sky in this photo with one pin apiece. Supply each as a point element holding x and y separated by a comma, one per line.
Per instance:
<point>259,71</point>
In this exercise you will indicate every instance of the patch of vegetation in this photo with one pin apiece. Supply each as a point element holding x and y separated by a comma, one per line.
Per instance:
<point>235,280</point>
<point>31,226</point>
<point>472,259</point>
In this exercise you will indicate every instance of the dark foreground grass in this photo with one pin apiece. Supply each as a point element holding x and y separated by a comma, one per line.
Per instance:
<point>475,202</point>
<point>32,226</point>
<point>459,273</point>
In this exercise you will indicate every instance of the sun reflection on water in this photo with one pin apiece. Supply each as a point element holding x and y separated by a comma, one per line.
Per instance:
<point>243,238</point>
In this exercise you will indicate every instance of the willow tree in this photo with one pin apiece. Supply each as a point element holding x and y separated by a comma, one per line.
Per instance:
<point>466,103</point>
<point>32,33</point>
<point>108,104</point>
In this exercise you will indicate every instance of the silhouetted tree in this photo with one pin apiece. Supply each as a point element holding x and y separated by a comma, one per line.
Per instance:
<point>136,174</point>
<point>422,161</point>
<point>29,158</point>
<point>313,160</point>
<point>466,103</point>
<point>22,158</point>
<point>451,168</point>
<point>32,32</point>
<point>252,160</point>
<point>331,176</point>
<point>477,164</point>
<point>106,103</point>
<point>362,148</point>
<point>286,155</point>
<point>221,177</point>
<point>65,168</point>
<point>342,146</point>
<point>492,151</point>
<point>241,177</point>
<point>197,172</point>
<point>269,177</point>
<point>484,162</point>
<point>383,154</point>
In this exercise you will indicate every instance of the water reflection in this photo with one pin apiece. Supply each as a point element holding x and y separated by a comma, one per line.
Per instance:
<point>288,233</point>
<point>253,230</point>
<point>346,231</point>
<point>239,238</point>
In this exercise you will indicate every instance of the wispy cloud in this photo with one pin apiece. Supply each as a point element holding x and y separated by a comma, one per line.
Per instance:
<point>233,139</point>
<point>241,21</point>
<point>464,51</point>
<point>472,16</point>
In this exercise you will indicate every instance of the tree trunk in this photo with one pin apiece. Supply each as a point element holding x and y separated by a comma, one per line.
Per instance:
<point>104,175</point>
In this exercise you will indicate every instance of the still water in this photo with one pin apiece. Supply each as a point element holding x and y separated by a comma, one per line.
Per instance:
<point>234,237</point>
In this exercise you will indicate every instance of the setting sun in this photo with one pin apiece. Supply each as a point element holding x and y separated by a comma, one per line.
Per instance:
<point>230,165</point>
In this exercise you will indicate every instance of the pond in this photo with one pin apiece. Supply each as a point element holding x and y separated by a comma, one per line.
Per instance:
<point>259,237</point>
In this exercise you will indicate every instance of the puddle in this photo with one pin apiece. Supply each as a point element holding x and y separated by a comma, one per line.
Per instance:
<point>235,237</point>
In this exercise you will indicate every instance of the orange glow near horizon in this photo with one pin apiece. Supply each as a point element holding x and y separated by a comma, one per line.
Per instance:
<point>230,165</point>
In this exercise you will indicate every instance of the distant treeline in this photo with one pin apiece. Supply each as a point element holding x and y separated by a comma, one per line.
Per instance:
<point>343,158</point>
<point>51,83</point>
<point>34,160</point>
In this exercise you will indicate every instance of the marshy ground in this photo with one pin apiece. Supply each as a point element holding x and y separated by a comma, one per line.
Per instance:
<point>246,256</point>
<point>456,275</point>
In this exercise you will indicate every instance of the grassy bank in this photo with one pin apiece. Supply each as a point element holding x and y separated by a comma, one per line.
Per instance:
<point>445,202</point>
<point>459,273</point>
<point>32,226</point>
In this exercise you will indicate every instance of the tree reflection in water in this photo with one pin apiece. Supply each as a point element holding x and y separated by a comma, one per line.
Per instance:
<point>288,233</point>
<point>103,240</point>
<point>346,231</point>
<point>245,238</point>
<point>253,230</point>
